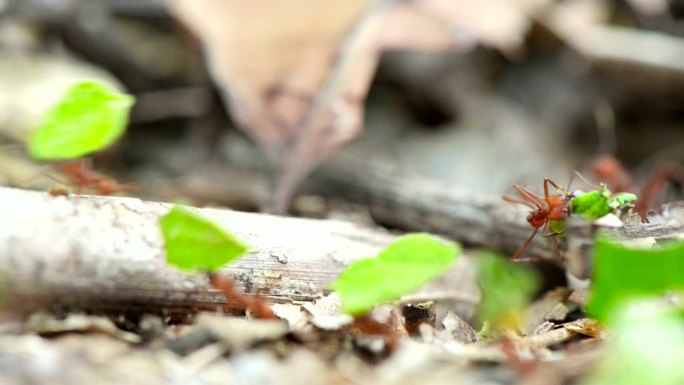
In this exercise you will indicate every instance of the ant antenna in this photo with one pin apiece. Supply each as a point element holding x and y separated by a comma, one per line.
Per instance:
<point>572,178</point>
<point>585,180</point>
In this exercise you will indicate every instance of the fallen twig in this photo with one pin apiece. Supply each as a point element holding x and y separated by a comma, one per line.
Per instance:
<point>106,254</point>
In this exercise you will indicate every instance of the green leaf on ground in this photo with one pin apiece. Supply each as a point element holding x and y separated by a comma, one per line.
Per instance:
<point>506,288</point>
<point>402,267</point>
<point>622,274</point>
<point>194,243</point>
<point>648,346</point>
<point>90,117</point>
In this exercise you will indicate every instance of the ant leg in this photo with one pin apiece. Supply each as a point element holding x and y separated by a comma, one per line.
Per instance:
<point>525,245</point>
<point>87,163</point>
<point>546,187</point>
<point>534,200</point>
<point>671,172</point>
<point>86,166</point>
<point>558,188</point>
<point>513,200</point>
<point>609,170</point>
<point>41,174</point>
<point>554,240</point>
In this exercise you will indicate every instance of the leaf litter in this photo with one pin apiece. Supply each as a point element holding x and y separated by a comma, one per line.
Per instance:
<point>313,343</point>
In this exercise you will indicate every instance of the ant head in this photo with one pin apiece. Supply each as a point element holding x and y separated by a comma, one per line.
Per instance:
<point>536,218</point>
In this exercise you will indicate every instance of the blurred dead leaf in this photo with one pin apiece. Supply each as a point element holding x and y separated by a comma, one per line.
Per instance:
<point>585,26</point>
<point>295,74</point>
<point>649,7</point>
<point>446,25</point>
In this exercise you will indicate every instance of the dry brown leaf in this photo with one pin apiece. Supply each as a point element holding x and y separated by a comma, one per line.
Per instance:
<point>296,73</point>
<point>280,65</point>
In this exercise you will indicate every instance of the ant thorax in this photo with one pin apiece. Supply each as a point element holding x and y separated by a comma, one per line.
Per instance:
<point>558,207</point>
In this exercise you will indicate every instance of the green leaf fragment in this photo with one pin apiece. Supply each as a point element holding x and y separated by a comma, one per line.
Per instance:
<point>622,274</point>
<point>506,288</point>
<point>621,199</point>
<point>402,267</point>
<point>90,117</point>
<point>194,243</point>
<point>593,204</point>
<point>597,203</point>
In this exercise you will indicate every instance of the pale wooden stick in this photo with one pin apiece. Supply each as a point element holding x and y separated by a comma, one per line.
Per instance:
<point>103,253</point>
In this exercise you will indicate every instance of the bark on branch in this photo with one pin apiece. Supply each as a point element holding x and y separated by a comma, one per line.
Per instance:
<point>106,254</point>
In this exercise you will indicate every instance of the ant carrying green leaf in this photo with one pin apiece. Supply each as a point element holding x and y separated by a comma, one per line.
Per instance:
<point>545,209</point>
<point>81,176</point>
<point>550,211</point>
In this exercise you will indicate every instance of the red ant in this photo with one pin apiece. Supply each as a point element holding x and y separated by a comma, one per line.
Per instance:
<point>613,173</point>
<point>544,209</point>
<point>81,176</point>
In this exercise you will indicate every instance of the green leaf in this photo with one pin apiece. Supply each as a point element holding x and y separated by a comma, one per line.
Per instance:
<point>90,117</point>
<point>194,243</point>
<point>597,203</point>
<point>648,347</point>
<point>622,274</point>
<point>621,199</point>
<point>592,204</point>
<point>401,268</point>
<point>506,288</point>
